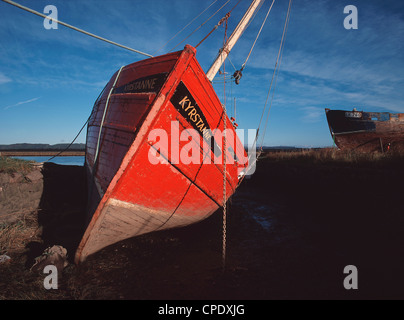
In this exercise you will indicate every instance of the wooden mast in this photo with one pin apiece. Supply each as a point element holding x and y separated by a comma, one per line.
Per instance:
<point>238,31</point>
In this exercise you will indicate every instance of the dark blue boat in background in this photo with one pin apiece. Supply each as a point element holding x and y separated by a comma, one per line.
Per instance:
<point>366,131</point>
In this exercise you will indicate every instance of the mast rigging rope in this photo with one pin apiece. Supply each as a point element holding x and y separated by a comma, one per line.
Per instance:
<point>186,26</point>
<point>71,143</point>
<point>274,75</point>
<point>259,32</point>
<point>201,25</point>
<point>238,73</point>
<point>276,71</point>
<point>225,18</point>
<point>224,224</point>
<point>215,27</point>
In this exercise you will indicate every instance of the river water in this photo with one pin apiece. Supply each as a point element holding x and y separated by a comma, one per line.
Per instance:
<point>65,160</point>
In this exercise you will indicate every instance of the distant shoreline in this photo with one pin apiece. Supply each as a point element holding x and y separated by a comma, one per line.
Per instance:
<point>42,149</point>
<point>38,153</point>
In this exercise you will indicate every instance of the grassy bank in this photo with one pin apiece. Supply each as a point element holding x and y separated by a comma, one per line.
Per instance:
<point>318,161</point>
<point>11,165</point>
<point>334,156</point>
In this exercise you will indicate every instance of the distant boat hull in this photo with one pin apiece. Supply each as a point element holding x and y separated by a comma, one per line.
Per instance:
<point>366,131</point>
<point>137,184</point>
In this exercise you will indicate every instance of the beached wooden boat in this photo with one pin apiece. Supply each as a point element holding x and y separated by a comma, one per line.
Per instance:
<point>366,131</point>
<point>138,183</point>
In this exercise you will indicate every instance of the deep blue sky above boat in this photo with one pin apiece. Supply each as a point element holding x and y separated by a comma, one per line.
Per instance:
<point>49,79</point>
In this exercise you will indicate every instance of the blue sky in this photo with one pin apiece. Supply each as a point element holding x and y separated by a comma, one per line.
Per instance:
<point>49,79</point>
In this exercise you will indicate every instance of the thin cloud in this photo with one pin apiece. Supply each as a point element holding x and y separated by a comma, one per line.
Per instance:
<point>20,103</point>
<point>4,79</point>
<point>313,114</point>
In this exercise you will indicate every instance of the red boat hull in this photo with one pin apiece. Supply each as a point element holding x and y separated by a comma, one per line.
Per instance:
<point>138,183</point>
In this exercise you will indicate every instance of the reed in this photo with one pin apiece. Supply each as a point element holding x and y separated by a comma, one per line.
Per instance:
<point>333,155</point>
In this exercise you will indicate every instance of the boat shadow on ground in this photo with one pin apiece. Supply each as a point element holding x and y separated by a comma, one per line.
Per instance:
<point>291,230</point>
<point>62,209</point>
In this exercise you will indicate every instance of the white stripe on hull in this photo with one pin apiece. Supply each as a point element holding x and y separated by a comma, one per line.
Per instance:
<point>120,220</point>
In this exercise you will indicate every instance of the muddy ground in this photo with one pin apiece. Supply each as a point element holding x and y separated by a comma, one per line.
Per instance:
<point>291,230</point>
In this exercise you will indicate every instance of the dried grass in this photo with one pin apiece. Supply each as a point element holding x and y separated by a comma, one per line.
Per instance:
<point>333,155</point>
<point>16,281</point>
<point>15,236</point>
<point>12,165</point>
